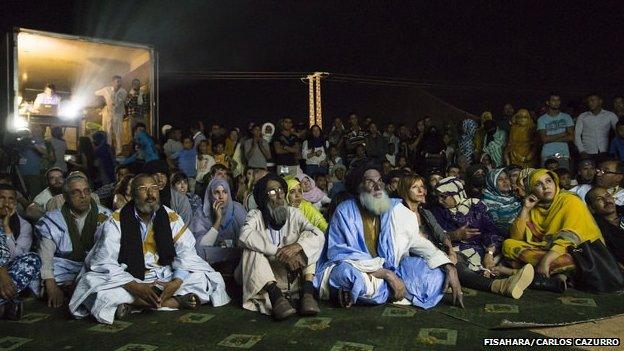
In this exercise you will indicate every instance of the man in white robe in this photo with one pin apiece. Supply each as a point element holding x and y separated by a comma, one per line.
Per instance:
<point>64,238</point>
<point>144,258</point>
<point>113,113</point>
<point>280,250</point>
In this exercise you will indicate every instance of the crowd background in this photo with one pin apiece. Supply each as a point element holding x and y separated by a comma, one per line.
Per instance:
<point>480,178</point>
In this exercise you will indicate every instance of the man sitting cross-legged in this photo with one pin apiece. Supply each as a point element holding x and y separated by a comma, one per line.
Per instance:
<point>376,253</point>
<point>65,237</point>
<point>281,248</point>
<point>145,258</point>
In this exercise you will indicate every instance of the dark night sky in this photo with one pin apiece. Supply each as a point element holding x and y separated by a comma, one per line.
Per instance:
<point>504,48</point>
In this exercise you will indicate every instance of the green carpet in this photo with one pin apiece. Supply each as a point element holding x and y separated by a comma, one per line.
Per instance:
<point>357,329</point>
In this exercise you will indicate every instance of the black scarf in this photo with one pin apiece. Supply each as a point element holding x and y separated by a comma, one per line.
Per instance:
<point>81,242</point>
<point>15,225</point>
<point>165,196</point>
<point>131,246</point>
<point>261,198</point>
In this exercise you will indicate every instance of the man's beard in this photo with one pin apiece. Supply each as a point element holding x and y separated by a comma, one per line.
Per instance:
<point>146,207</point>
<point>56,190</point>
<point>375,205</point>
<point>279,214</point>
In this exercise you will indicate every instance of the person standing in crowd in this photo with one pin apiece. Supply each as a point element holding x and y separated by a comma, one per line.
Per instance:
<point>337,134</point>
<point>556,130</point>
<point>313,150</point>
<point>257,150</point>
<point>280,251</point>
<point>103,159</point>
<point>521,148</point>
<point>137,103</point>
<point>59,145</point>
<point>376,144</point>
<point>143,246</point>
<point>287,149</point>
<point>65,236</point>
<point>618,107</point>
<point>391,138</point>
<point>354,137</point>
<point>617,144</point>
<point>197,130</point>
<point>112,114</point>
<point>593,128</point>
<point>84,159</point>
<point>187,162</point>
<point>31,153</point>
<point>466,140</point>
<point>173,145</point>
<point>494,142</point>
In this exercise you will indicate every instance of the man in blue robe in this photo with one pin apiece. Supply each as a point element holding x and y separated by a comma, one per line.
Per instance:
<point>376,254</point>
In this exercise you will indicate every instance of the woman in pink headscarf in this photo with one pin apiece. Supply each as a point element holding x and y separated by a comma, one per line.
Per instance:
<point>311,192</point>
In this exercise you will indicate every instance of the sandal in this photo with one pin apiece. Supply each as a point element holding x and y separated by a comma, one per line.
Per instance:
<point>13,310</point>
<point>185,301</point>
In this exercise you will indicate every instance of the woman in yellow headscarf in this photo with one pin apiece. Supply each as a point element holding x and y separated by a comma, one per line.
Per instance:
<point>551,221</point>
<point>295,199</point>
<point>522,145</point>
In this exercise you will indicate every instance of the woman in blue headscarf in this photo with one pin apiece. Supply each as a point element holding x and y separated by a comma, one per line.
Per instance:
<point>499,198</point>
<point>217,224</point>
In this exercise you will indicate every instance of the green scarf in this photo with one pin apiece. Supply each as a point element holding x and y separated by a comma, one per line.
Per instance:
<point>81,242</point>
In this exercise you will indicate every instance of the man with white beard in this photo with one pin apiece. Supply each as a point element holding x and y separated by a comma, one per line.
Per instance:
<point>281,248</point>
<point>376,253</point>
<point>144,258</point>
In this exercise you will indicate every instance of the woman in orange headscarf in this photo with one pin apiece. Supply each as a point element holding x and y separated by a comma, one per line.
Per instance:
<point>522,145</point>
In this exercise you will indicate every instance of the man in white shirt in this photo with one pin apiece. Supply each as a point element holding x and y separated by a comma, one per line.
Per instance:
<point>593,127</point>
<point>113,112</point>
<point>48,97</point>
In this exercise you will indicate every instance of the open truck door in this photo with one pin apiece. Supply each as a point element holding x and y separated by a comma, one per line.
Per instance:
<point>51,80</point>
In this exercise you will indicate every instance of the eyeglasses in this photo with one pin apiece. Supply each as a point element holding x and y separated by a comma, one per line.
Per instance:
<point>144,189</point>
<point>274,192</point>
<point>369,183</point>
<point>77,192</point>
<point>602,171</point>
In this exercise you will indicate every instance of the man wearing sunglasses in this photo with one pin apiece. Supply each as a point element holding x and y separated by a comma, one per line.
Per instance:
<point>281,248</point>
<point>65,236</point>
<point>144,258</point>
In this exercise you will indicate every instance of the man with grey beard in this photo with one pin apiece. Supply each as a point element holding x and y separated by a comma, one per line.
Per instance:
<point>376,252</point>
<point>281,248</point>
<point>144,258</point>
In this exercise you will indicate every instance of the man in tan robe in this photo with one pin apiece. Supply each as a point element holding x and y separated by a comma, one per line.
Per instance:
<point>281,248</point>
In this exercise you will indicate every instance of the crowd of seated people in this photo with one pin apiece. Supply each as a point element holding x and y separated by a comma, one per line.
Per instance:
<point>354,214</point>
